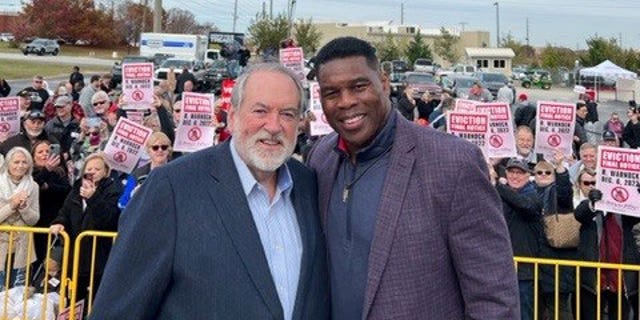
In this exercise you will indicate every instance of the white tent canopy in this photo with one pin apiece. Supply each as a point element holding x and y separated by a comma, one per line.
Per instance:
<point>609,70</point>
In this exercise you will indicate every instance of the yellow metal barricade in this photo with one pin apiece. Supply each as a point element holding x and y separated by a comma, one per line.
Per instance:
<point>12,239</point>
<point>579,266</point>
<point>95,236</point>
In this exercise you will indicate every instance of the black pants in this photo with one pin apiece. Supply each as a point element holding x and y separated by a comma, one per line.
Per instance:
<point>608,302</point>
<point>547,306</point>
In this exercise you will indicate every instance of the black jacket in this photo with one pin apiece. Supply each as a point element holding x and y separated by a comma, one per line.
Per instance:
<point>5,88</point>
<point>631,134</point>
<point>22,140</point>
<point>523,212</point>
<point>405,106</point>
<point>101,214</point>
<point>589,249</point>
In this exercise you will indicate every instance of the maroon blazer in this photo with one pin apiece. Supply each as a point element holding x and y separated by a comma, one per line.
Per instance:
<point>441,247</point>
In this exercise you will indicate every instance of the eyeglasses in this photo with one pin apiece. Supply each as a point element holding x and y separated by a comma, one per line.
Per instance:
<point>164,147</point>
<point>98,102</point>
<point>546,173</point>
<point>177,110</point>
<point>588,183</point>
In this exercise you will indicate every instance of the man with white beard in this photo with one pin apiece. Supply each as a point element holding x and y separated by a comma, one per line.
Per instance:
<point>32,131</point>
<point>231,231</point>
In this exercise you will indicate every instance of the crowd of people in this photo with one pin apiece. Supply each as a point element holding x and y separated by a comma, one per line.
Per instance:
<point>384,213</point>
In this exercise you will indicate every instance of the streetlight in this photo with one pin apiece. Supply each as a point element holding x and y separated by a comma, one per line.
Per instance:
<point>497,23</point>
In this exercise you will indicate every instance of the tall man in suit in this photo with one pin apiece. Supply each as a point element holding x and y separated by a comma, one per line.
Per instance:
<point>230,232</point>
<point>414,228</point>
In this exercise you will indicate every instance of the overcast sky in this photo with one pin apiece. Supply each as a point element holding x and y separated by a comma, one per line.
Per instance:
<point>559,22</point>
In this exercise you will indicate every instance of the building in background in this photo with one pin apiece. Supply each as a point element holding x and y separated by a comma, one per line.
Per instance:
<point>377,31</point>
<point>491,59</point>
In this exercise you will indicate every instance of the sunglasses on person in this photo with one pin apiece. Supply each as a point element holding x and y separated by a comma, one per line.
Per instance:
<point>95,104</point>
<point>546,173</point>
<point>164,147</point>
<point>588,183</point>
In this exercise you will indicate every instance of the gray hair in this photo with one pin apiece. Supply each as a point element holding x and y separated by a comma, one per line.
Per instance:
<point>237,94</point>
<point>11,154</point>
<point>100,95</point>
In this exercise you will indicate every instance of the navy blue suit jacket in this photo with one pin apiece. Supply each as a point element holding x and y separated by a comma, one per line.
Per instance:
<point>188,248</point>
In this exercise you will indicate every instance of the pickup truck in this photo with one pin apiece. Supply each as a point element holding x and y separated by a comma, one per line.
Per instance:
<point>195,67</point>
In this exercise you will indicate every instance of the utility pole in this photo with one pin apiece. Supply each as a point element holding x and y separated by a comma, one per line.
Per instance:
<point>271,9</point>
<point>527,38</point>
<point>497,23</point>
<point>291,7</point>
<point>462,25</point>
<point>264,9</point>
<point>157,16</point>
<point>401,13</point>
<point>145,6</point>
<point>235,14</point>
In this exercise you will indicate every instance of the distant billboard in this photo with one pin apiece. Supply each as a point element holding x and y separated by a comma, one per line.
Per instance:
<point>226,37</point>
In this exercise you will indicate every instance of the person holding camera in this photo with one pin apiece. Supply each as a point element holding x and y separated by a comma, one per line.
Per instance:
<point>92,204</point>
<point>631,133</point>
<point>606,237</point>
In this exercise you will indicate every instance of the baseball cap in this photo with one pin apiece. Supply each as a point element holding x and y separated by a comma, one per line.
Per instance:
<point>24,94</point>
<point>523,96</point>
<point>608,136</point>
<point>518,163</point>
<point>62,101</point>
<point>36,114</point>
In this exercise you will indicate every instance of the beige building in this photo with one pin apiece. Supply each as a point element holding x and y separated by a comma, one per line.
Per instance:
<point>491,59</point>
<point>377,31</point>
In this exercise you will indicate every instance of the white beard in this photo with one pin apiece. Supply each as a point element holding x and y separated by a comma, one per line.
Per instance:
<point>255,157</point>
<point>33,134</point>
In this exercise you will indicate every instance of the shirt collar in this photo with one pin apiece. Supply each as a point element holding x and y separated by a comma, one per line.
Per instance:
<point>381,143</point>
<point>248,181</point>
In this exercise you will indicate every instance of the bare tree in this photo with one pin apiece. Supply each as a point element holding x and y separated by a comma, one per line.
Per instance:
<point>180,21</point>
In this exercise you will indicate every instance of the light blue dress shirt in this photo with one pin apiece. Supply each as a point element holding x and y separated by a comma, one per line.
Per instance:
<point>278,229</point>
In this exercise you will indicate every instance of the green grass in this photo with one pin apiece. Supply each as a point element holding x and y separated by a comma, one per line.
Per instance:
<point>81,51</point>
<point>16,69</point>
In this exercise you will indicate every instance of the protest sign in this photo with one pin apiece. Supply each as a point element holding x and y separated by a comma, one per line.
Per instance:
<point>65,314</point>
<point>225,96</point>
<point>9,117</point>
<point>473,127</point>
<point>124,148</point>
<point>502,143</point>
<point>555,123</point>
<point>293,59</point>
<point>136,116</point>
<point>465,105</point>
<point>137,85</point>
<point>196,130</point>
<point>618,177</point>
<point>320,126</point>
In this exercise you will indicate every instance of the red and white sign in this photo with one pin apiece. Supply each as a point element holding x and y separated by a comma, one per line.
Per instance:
<point>320,126</point>
<point>124,148</point>
<point>618,177</point>
<point>227,90</point>
<point>9,117</point>
<point>196,131</point>
<point>293,58</point>
<point>465,105</point>
<point>65,314</point>
<point>502,143</point>
<point>135,116</point>
<point>473,127</point>
<point>555,123</point>
<point>137,85</point>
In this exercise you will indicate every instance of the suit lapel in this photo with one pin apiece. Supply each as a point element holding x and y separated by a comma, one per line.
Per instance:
<point>235,214</point>
<point>304,213</point>
<point>393,193</point>
<point>326,179</point>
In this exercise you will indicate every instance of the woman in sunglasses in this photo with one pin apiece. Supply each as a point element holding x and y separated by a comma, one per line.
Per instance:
<point>554,191</point>
<point>160,151</point>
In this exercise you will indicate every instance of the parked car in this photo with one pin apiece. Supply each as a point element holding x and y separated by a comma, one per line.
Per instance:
<point>465,69</point>
<point>215,74</point>
<point>421,83</point>
<point>424,65</point>
<point>492,80</point>
<point>196,67</point>
<point>116,70</point>
<point>6,37</point>
<point>461,85</point>
<point>593,81</point>
<point>42,46</point>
